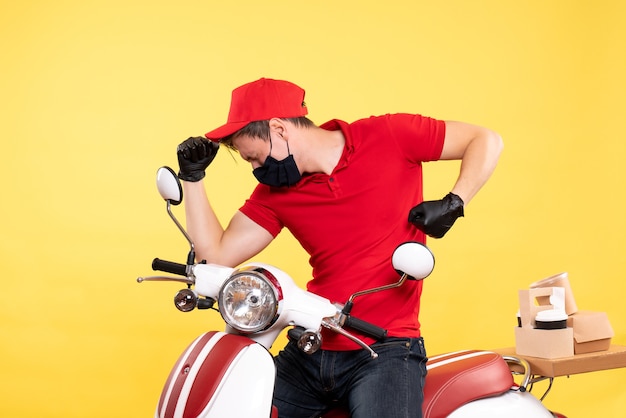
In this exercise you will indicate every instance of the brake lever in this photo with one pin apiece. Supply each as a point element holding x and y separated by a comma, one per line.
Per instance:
<point>185,280</point>
<point>331,325</point>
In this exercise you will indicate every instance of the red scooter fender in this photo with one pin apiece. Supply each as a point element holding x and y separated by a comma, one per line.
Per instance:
<point>219,375</point>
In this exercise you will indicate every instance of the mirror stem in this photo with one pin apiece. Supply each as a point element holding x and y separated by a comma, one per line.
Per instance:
<point>345,311</point>
<point>378,289</point>
<point>192,253</point>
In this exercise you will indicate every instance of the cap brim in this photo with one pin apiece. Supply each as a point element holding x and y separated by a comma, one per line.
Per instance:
<point>225,130</point>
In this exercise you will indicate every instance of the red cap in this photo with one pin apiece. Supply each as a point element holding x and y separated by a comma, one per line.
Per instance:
<point>263,99</point>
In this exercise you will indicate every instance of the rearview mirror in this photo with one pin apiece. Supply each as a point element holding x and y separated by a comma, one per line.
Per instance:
<point>169,186</point>
<point>413,259</point>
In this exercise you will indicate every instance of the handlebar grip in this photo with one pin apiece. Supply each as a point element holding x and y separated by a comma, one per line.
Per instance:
<point>372,330</point>
<point>169,267</point>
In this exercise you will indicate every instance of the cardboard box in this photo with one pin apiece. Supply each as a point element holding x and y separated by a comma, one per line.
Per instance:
<point>542,343</point>
<point>592,331</point>
<point>560,280</point>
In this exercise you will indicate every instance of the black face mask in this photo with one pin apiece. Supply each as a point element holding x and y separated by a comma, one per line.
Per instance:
<point>278,173</point>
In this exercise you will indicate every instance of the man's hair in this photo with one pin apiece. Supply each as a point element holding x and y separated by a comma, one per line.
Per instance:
<point>261,129</point>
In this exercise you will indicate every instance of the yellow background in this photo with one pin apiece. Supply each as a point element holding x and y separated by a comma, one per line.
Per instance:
<point>97,94</point>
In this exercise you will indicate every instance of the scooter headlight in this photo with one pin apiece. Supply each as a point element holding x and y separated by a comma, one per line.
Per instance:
<point>249,300</point>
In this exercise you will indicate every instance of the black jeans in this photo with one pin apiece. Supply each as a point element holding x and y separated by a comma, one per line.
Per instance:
<point>390,386</point>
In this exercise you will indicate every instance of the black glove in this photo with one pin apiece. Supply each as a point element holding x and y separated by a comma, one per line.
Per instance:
<point>436,217</point>
<point>194,156</point>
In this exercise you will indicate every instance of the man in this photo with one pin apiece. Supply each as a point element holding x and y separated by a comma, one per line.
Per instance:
<point>350,193</point>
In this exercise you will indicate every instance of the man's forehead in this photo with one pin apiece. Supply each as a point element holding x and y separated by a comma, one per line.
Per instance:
<point>251,148</point>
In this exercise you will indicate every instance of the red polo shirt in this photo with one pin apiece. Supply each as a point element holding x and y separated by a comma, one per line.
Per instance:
<point>350,222</point>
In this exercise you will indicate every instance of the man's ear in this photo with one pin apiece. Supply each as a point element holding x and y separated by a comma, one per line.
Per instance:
<point>279,127</point>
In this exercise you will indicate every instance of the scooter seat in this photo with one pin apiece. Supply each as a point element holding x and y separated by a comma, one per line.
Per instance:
<point>455,379</point>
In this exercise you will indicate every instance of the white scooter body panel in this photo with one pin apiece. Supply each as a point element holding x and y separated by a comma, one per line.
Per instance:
<point>513,404</point>
<point>220,375</point>
<point>250,380</point>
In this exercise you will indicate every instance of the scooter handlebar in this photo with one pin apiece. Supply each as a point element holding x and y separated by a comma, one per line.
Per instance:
<point>366,328</point>
<point>169,267</point>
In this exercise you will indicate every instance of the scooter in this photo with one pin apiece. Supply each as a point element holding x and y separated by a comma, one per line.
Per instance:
<point>231,373</point>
